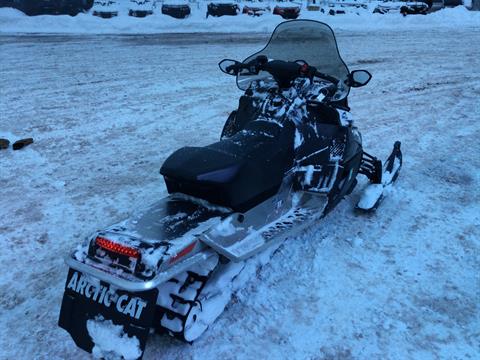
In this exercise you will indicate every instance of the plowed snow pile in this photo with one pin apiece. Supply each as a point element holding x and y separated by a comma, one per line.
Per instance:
<point>13,21</point>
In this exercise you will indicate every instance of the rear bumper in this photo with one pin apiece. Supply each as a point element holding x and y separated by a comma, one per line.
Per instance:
<point>137,285</point>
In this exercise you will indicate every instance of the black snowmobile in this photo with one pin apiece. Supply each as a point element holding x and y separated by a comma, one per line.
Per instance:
<point>286,157</point>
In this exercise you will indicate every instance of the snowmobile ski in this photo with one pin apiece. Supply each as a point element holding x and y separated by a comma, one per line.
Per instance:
<point>374,193</point>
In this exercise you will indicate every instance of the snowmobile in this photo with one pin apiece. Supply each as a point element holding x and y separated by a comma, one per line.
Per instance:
<point>286,157</point>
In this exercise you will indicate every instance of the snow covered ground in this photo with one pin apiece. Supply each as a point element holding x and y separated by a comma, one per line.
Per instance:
<point>14,21</point>
<point>105,111</point>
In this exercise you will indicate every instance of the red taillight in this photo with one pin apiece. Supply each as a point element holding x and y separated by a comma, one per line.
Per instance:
<point>117,248</point>
<point>184,252</point>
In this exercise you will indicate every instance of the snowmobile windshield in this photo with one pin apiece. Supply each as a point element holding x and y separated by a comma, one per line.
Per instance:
<point>308,40</point>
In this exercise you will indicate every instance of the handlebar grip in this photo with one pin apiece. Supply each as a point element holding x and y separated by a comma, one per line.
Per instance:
<point>237,67</point>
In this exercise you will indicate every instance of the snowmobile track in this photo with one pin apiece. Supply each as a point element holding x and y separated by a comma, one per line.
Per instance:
<point>174,312</point>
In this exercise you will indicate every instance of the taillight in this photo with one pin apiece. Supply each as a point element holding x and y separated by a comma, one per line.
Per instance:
<point>183,252</point>
<point>117,248</point>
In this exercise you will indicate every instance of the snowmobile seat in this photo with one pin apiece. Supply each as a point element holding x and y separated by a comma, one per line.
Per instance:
<point>238,172</point>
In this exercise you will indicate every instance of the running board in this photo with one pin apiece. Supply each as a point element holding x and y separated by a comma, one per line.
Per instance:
<point>241,236</point>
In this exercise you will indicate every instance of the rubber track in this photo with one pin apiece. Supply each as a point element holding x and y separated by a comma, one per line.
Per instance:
<point>177,297</point>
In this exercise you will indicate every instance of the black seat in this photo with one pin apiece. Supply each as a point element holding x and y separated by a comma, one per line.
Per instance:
<point>238,172</point>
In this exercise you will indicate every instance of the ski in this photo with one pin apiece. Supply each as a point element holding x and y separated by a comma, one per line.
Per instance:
<point>374,193</point>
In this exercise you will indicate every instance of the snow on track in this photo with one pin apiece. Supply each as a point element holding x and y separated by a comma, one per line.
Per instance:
<point>105,111</point>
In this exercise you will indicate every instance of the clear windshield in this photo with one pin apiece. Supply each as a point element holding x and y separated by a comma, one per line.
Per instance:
<point>307,40</point>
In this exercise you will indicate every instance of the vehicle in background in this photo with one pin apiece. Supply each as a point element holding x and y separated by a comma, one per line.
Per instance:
<point>178,11</point>
<point>387,7</point>
<point>48,7</point>
<point>105,9</point>
<point>140,8</point>
<point>287,12</point>
<point>222,9</point>
<point>256,10</point>
<point>409,7</point>
<point>340,8</point>
<point>414,8</point>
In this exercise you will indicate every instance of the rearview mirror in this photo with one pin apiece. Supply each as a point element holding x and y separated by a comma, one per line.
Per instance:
<point>230,67</point>
<point>358,78</point>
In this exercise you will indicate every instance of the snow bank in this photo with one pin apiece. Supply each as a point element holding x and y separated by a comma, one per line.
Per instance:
<point>13,21</point>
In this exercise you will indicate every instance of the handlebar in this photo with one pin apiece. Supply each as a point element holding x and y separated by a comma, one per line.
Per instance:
<point>253,66</point>
<point>284,72</point>
<point>332,79</point>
